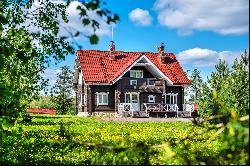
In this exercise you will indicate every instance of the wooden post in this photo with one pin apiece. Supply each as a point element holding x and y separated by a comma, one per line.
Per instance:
<point>85,97</point>
<point>89,106</point>
<point>182,93</point>
<point>117,95</point>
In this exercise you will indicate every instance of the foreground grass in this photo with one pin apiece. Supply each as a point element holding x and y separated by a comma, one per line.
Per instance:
<point>74,140</point>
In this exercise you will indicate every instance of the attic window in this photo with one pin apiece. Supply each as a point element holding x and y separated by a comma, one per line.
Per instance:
<point>136,73</point>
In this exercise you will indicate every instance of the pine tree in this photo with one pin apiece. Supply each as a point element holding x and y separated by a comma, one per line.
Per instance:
<point>196,83</point>
<point>62,91</point>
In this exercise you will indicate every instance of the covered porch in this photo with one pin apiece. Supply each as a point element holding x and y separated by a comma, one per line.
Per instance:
<point>147,109</point>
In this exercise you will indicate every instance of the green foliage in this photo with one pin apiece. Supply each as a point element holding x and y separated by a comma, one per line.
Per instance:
<point>199,86</point>
<point>235,140</point>
<point>62,91</point>
<point>231,88</point>
<point>228,102</point>
<point>30,40</point>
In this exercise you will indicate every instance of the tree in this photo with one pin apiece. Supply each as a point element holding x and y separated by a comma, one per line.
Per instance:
<point>63,90</point>
<point>221,73</point>
<point>229,88</point>
<point>196,83</point>
<point>235,88</point>
<point>43,102</point>
<point>25,54</point>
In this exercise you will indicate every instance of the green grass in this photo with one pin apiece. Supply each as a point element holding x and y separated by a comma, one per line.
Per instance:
<point>74,140</point>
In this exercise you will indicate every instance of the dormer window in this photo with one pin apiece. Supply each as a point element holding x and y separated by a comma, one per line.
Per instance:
<point>136,73</point>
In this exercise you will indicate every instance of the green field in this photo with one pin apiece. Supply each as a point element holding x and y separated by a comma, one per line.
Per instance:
<point>75,140</point>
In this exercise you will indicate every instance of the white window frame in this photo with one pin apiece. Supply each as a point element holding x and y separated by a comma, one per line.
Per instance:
<point>150,80</point>
<point>173,98</point>
<point>102,94</point>
<point>131,98</point>
<point>151,98</point>
<point>131,82</point>
<point>138,73</point>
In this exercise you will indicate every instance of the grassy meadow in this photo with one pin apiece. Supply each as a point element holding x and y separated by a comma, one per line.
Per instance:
<point>75,140</point>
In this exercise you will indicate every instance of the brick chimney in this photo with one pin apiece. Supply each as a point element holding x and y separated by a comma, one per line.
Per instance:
<point>112,46</point>
<point>161,55</point>
<point>112,49</point>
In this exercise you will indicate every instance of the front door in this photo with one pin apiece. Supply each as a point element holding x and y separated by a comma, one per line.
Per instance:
<point>133,98</point>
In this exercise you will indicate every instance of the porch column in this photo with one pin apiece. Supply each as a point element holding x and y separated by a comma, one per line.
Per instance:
<point>182,97</point>
<point>85,96</point>
<point>117,99</point>
<point>117,95</point>
<point>163,93</point>
<point>78,98</point>
<point>89,99</point>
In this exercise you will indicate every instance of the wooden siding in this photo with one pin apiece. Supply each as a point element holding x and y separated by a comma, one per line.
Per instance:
<point>111,97</point>
<point>142,85</point>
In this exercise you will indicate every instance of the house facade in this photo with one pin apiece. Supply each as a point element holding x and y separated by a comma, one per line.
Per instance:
<point>116,81</point>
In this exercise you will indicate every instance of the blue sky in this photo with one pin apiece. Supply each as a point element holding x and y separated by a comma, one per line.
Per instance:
<point>197,32</point>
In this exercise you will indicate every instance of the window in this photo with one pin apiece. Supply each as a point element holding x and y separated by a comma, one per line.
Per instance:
<point>151,82</point>
<point>136,73</point>
<point>102,98</point>
<point>133,82</point>
<point>131,97</point>
<point>171,98</point>
<point>151,98</point>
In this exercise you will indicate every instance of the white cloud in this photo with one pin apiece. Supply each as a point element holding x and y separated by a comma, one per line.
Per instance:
<point>222,16</point>
<point>140,17</point>
<point>199,57</point>
<point>74,23</point>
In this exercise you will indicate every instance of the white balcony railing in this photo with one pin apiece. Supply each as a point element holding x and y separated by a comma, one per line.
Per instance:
<point>188,108</point>
<point>158,107</point>
<point>155,107</point>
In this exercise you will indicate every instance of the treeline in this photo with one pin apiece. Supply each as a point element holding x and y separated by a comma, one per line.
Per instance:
<point>226,89</point>
<point>60,96</point>
<point>49,102</point>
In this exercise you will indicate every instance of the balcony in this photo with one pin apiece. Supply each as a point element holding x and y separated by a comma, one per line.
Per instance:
<point>142,84</point>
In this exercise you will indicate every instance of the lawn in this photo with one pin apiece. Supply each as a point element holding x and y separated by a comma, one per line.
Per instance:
<point>74,140</point>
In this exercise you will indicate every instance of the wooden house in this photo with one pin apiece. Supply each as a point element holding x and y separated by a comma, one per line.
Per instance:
<point>143,83</point>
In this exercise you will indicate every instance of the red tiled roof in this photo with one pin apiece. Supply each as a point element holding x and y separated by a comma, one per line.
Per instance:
<point>97,67</point>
